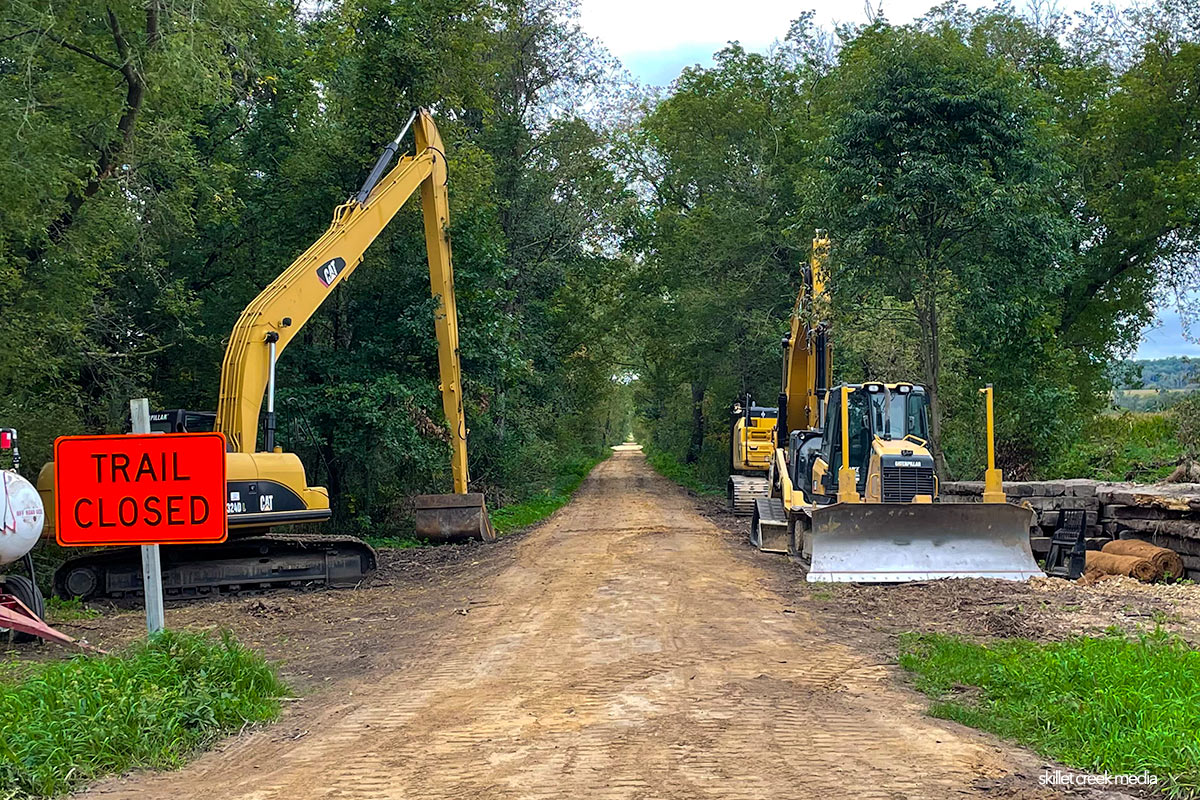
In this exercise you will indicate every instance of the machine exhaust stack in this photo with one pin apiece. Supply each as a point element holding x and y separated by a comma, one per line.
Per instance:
<point>847,477</point>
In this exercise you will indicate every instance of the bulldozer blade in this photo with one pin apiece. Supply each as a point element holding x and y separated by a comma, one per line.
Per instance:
<point>453,518</point>
<point>900,542</point>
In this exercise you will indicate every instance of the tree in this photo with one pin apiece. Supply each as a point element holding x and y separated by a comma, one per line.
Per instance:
<point>113,116</point>
<point>939,194</point>
<point>719,253</point>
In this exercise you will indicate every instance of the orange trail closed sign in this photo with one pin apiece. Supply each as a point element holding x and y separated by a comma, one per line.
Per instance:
<point>140,489</point>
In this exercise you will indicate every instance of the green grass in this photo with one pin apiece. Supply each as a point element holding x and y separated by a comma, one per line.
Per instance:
<point>687,475</point>
<point>1109,704</point>
<point>60,610</point>
<point>535,509</point>
<point>1137,446</point>
<point>67,722</point>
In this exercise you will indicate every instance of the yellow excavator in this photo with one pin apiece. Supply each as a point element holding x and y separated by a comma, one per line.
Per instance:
<point>268,487</point>
<point>853,488</point>
<point>751,449</point>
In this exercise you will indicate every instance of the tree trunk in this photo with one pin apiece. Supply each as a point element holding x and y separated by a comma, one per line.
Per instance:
<point>109,155</point>
<point>696,445</point>
<point>931,365</point>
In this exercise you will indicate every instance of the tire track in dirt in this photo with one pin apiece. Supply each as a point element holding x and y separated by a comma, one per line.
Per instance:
<point>630,652</point>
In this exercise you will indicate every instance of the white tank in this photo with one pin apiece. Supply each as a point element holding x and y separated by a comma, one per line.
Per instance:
<point>21,517</point>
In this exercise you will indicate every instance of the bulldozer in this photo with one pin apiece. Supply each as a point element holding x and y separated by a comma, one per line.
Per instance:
<point>853,489</point>
<point>751,446</point>
<point>267,487</point>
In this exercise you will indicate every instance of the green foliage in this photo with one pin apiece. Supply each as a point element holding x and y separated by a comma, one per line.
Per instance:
<point>67,722</point>
<point>723,258</point>
<point>939,204</point>
<point>521,515</point>
<point>1186,416</point>
<point>60,610</point>
<point>1129,446</point>
<point>1105,705</point>
<point>1148,399</point>
<point>1159,373</point>
<point>995,214</point>
<point>133,228</point>
<point>686,475</point>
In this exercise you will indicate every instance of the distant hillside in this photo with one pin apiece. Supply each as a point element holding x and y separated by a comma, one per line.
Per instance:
<point>1154,384</point>
<point>1178,372</point>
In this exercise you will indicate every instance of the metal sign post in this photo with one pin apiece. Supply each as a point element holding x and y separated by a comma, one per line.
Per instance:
<point>139,411</point>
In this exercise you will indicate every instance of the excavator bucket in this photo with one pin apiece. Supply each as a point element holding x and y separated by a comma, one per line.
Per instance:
<point>899,542</point>
<point>453,518</point>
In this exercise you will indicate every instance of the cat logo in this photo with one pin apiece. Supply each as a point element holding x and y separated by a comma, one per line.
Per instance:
<point>327,273</point>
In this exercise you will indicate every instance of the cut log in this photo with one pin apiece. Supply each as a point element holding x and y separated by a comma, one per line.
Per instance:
<point>1167,562</point>
<point>1111,564</point>
<point>1173,497</point>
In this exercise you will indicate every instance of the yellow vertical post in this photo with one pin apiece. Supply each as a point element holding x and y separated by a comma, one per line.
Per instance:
<point>993,479</point>
<point>818,302</point>
<point>847,479</point>
<point>435,208</point>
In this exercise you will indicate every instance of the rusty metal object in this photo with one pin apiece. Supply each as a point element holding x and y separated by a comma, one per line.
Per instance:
<point>16,616</point>
<point>453,518</point>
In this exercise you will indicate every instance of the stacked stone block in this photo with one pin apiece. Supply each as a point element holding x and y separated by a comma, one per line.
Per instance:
<point>1167,515</point>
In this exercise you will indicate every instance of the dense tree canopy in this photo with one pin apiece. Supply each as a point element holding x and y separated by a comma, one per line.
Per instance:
<point>1010,196</point>
<point>168,160</point>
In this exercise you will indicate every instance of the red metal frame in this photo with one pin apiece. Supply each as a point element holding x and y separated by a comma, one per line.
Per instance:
<point>16,615</point>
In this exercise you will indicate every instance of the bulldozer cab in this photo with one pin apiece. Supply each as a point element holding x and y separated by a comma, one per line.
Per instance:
<point>875,411</point>
<point>896,530</point>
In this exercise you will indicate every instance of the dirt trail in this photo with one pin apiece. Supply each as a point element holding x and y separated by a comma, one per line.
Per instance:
<point>631,652</point>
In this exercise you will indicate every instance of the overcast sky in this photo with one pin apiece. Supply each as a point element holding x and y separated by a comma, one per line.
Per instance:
<point>655,39</point>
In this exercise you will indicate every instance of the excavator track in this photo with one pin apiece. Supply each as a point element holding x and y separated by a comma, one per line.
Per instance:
<point>743,490</point>
<point>248,564</point>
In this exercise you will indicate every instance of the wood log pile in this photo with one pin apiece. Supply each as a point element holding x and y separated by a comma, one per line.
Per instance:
<point>1165,515</point>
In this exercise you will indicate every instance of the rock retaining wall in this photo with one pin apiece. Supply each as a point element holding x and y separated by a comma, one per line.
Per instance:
<point>1167,515</point>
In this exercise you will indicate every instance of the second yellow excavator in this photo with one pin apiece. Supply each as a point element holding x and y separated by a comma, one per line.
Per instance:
<point>268,487</point>
<point>751,448</point>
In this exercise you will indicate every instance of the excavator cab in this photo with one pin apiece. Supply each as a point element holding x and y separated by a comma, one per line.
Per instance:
<point>178,420</point>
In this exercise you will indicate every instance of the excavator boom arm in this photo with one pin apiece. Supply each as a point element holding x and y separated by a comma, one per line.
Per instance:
<point>275,317</point>
<point>807,361</point>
